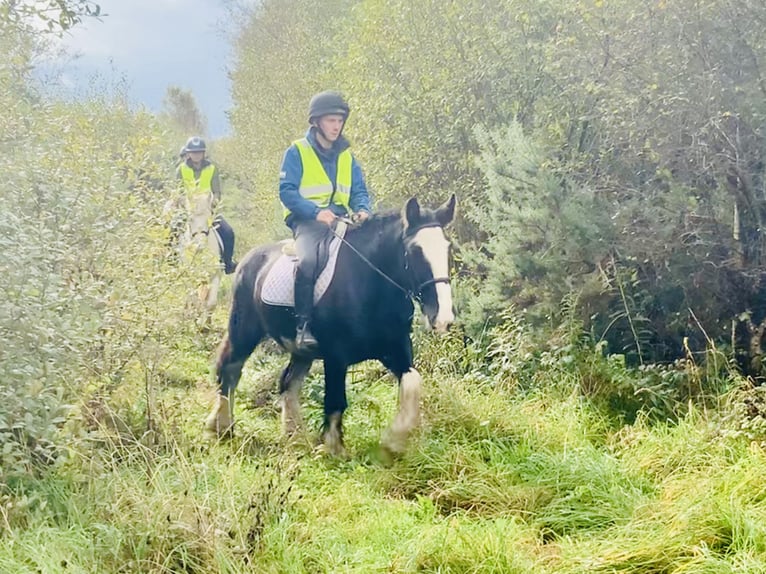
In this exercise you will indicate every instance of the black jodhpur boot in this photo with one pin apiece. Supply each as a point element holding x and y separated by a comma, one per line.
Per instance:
<point>304,302</point>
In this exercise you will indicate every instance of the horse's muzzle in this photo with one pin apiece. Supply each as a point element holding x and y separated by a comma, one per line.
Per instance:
<point>443,326</point>
<point>445,314</point>
<point>442,322</point>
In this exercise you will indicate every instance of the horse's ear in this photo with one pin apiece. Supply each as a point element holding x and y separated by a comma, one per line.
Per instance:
<point>446,212</point>
<point>412,212</point>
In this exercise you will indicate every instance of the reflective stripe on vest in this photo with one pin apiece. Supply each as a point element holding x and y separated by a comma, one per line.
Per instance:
<point>315,183</point>
<point>197,186</point>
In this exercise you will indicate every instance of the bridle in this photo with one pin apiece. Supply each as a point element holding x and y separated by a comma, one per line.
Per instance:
<point>416,294</point>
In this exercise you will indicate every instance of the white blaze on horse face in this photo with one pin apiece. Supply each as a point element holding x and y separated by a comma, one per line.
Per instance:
<point>435,247</point>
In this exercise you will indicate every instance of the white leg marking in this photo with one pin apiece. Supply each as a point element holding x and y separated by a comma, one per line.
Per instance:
<point>408,416</point>
<point>333,440</point>
<point>221,419</point>
<point>291,414</point>
<point>435,249</point>
<point>215,278</point>
<point>212,293</point>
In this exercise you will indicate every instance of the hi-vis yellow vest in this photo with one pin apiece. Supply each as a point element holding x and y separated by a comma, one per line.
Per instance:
<point>197,186</point>
<point>316,185</point>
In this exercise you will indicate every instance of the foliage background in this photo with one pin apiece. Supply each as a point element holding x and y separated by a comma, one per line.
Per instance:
<point>596,408</point>
<point>609,148</point>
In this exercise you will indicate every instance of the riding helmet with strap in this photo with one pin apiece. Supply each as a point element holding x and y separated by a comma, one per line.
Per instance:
<point>328,102</point>
<point>195,143</point>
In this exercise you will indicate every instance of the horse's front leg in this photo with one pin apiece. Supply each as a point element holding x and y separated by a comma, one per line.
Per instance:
<point>408,415</point>
<point>214,285</point>
<point>290,384</point>
<point>334,405</point>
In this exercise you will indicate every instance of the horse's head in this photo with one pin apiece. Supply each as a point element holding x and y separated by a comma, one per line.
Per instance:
<point>427,254</point>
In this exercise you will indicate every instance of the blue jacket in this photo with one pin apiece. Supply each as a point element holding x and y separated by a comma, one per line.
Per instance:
<point>290,180</point>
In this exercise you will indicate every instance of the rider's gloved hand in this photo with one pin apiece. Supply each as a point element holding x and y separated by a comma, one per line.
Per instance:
<point>360,216</point>
<point>326,216</point>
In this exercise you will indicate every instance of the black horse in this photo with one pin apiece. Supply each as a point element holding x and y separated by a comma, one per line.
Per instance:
<point>366,313</point>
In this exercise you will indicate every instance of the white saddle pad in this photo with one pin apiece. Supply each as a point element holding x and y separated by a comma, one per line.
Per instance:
<point>279,285</point>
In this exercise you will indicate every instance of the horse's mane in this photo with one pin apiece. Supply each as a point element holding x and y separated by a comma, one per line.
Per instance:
<point>390,219</point>
<point>383,217</point>
<point>381,229</point>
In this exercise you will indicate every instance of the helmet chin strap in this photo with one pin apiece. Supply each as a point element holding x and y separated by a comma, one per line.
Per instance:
<point>319,130</point>
<point>315,124</point>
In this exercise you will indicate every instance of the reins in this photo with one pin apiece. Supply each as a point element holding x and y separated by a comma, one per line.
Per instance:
<point>411,294</point>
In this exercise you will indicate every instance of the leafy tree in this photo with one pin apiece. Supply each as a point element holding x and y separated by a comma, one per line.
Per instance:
<point>546,234</point>
<point>645,121</point>
<point>54,15</point>
<point>84,257</point>
<point>425,76</point>
<point>180,108</point>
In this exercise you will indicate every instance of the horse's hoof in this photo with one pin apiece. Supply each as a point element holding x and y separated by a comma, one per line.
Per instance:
<point>214,428</point>
<point>335,451</point>
<point>222,434</point>
<point>332,444</point>
<point>394,444</point>
<point>385,456</point>
<point>296,437</point>
<point>220,421</point>
<point>292,432</point>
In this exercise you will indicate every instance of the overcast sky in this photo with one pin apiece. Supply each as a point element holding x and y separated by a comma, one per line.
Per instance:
<point>151,44</point>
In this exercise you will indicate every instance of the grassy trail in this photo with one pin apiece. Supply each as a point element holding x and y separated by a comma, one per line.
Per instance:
<point>496,480</point>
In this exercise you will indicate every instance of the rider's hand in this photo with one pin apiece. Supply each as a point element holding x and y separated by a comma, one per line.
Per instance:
<point>360,216</point>
<point>326,216</point>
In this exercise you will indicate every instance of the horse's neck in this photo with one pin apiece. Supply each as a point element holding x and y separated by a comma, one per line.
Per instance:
<point>200,212</point>
<point>382,245</point>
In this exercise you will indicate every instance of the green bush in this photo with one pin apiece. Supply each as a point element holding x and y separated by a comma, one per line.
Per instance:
<point>84,272</point>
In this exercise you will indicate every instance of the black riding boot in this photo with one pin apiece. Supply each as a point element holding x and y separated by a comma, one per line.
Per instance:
<point>226,235</point>
<point>304,303</point>
<point>309,235</point>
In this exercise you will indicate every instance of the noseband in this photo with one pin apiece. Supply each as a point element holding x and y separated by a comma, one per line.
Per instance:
<point>417,294</point>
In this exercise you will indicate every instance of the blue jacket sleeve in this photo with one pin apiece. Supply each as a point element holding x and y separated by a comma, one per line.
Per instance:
<point>360,197</point>
<point>289,182</point>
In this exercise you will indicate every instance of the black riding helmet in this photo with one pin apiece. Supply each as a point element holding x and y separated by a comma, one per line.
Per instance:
<point>195,143</point>
<point>325,103</point>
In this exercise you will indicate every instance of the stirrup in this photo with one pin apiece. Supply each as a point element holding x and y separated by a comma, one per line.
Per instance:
<point>304,339</point>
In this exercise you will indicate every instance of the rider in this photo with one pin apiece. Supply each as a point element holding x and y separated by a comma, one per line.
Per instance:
<point>319,181</point>
<point>203,187</point>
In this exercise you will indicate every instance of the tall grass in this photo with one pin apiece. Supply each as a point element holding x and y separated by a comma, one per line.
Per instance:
<point>511,471</point>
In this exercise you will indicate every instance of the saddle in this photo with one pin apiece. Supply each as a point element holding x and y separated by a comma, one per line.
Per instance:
<point>279,284</point>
